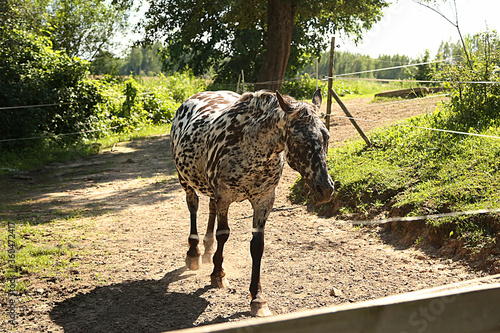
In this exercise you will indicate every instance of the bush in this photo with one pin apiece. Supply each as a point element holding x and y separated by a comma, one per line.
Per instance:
<point>32,73</point>
<point>475,106</point>
<point>136,102</point>
<point>303,88</point>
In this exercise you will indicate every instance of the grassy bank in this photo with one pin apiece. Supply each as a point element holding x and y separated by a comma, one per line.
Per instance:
<point>412,171</point>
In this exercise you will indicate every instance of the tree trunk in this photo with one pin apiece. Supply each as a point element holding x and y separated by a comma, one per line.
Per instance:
<point>280,22</point>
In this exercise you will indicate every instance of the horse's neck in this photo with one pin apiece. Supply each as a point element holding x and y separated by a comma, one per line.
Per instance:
<point>266,131</point>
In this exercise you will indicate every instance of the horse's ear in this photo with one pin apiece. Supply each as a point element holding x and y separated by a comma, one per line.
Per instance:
<point>284,105</point>
<point>317,98</point>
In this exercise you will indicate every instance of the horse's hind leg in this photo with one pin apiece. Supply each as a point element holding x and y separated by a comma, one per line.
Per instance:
<point>193,257</point>
<point>218,276</point>
<point>209,240</point>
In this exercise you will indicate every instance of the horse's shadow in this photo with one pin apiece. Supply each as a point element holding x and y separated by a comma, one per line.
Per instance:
<point>139,306</point>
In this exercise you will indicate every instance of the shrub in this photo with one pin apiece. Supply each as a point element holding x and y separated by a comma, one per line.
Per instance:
<point>475,106</point>
<point>32,73</point>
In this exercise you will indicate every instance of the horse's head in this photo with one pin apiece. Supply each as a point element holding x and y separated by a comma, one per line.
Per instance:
<point>306,144</point>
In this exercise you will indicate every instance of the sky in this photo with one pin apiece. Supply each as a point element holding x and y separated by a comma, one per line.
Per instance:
<point>409,29</point>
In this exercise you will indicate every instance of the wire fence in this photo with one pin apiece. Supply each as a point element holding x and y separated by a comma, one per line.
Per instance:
<point>424,217</point>
<point>411,81</point>
<point>33,106</point>
<point>394,67</point>
<point>64,134</point>
<point>344,77</point>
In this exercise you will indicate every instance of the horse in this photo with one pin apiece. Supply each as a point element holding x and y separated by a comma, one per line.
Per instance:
<point>233,148</point>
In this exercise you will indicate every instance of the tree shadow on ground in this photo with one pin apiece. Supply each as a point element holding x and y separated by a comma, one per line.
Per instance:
<point>138,306</point>
<point>58,191</point>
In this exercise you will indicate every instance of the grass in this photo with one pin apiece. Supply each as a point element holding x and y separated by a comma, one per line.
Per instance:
<point>29,158</point>
<point>37,252</point>
<point>140,133</point>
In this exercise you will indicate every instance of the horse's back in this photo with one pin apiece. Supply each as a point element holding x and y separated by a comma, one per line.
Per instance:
<point>198,111</point>
<point>190,127</point>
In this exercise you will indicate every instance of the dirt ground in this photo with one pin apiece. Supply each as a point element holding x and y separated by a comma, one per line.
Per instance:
<point>123,220</point>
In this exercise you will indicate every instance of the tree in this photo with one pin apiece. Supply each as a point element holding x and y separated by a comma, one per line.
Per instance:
<point>143,61</point>
<point>106,63</point>
<point>424,72</point>
<point>265,38</point>
<point>81,28</point>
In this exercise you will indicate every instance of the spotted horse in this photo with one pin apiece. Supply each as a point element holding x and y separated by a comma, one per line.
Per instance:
<point>232,148</point>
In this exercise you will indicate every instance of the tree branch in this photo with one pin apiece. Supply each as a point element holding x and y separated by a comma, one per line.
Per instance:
<point>456,25</point>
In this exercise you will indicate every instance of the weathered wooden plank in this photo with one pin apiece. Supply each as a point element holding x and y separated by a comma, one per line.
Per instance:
<point>453,308</point>
<point>405,93</point>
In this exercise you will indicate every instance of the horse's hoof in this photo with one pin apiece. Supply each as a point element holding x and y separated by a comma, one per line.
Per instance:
<point>207,258</point>
<point>219,282</point>
<point>259,309</point>
<point>193,263</point>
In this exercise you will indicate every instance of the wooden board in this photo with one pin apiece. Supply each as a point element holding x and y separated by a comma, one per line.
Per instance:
<point>405,93</point>
<point>470,306</point>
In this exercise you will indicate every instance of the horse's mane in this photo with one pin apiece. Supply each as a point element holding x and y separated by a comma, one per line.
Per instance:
<point>265,99</point>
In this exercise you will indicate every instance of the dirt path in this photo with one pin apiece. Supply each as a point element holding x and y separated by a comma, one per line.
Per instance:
<point>122,220</point>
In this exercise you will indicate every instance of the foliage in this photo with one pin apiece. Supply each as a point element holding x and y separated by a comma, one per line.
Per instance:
<point>81,28</point>
<point>143,61</point>
<point>303,87</point>
<point>32,73</point>
<point>450,50</point>
<point>69,110</point>
<point>425,72</point>
<point>474,106</point>
<point>346,62</point>
<point>127,109</point>
<point>132,104</point>
<point>230,35</point>
<point>106,62</point>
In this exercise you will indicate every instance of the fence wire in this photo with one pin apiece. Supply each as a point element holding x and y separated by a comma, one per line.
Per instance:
<point>411,126</point>
<point>424,217</point>
<point>394,67</point>
<point>32,106</point>
<point>56,135</point>
<point>410,81</point>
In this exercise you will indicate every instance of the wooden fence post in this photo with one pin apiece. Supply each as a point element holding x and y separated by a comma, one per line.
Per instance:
<point>243,80</point>
<point>330,84</point>
<point>332,93</point>
<point>349,115</point>
<point>317,73</point>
